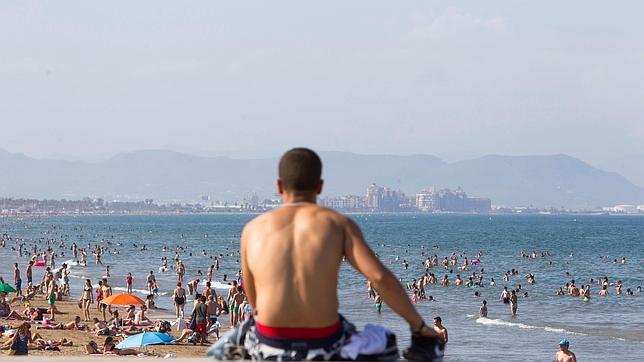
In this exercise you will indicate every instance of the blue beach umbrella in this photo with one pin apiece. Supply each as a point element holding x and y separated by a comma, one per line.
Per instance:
<point>144,339</point>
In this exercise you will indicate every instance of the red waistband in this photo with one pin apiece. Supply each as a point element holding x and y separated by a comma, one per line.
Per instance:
<point>298,332</point>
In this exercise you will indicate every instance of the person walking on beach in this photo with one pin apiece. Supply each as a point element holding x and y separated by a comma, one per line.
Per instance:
<point>200,314</point>
<point>87,298</point>
<point>107,292</point>
<point>564,354</point>
<point>52,290</point>
<point>99,295</point>
<point>290,259</point>
<point>151,280</point>
<point>29,272</point>
<point>179,299</point>
<point>17,280</point>
<point>128,282</point>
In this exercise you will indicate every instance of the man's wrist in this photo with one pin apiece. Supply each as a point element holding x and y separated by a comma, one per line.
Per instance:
<point>418,326</point>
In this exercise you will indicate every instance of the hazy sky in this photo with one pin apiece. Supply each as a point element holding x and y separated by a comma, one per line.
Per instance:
<point>85,80</point>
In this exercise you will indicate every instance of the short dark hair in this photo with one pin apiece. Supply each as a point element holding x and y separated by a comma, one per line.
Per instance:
<point>300,169</point>
<point>438,319</point>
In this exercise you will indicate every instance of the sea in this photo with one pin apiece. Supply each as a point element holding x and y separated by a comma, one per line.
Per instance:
<point>576,247</point>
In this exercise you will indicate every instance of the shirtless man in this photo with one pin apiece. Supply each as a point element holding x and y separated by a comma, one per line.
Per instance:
<point>208,291</point>
<point>440,329</point>
<point>483,309</point>
<point>17,280</point>
<point>235,309</point>
<point>211,269</point>
<point>29,272</point>
<point>192,286</point>
<point>150,280</point>
<point>107,291</point>
<point>291,258</point>
<point>565,355</point>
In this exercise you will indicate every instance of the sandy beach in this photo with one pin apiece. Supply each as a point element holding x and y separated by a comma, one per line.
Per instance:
<point>82,338</point>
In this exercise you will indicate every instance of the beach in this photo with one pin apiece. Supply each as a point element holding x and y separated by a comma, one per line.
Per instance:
<point>81,338</point>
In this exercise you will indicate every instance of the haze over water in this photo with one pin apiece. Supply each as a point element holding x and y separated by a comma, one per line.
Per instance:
<point>607,326</point>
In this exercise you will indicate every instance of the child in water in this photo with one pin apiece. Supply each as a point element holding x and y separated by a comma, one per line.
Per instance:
<point>378,303</point>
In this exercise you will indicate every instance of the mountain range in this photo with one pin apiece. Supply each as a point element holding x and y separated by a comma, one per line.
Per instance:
<point>538,181</point>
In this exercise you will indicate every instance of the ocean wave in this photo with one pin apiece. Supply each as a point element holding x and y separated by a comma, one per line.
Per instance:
<point>216,285</point>
<point>502,323</point>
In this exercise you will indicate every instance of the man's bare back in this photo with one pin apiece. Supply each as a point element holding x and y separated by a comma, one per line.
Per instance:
<point>292,256</point>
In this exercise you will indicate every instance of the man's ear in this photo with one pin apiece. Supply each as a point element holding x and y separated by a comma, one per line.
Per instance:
<point>320,186</point>
<point>280,188</point>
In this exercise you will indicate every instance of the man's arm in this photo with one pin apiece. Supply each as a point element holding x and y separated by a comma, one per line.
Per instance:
<point>361,257</point>
<point>249,281</point>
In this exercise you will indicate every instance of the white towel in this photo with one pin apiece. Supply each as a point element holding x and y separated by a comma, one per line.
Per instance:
<point>372,340</point>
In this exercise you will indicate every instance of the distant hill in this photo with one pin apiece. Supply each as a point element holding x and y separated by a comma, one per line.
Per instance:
<point>540,181</point>
<point>631,167</point>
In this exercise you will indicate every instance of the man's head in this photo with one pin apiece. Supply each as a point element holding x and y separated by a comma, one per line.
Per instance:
<point>437,321</point>
<point>564,344</point>
<point>300,171</point>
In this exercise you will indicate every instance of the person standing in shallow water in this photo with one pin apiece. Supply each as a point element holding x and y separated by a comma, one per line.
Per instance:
<point>483,309</point>
<point>440,329</point>
<point>513,303</point>
<point>564,354</point>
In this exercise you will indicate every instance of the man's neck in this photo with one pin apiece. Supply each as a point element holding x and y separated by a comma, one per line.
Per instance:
<point>298,198</point>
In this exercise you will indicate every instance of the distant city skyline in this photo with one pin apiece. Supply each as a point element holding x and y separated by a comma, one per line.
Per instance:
<point>248,80</point>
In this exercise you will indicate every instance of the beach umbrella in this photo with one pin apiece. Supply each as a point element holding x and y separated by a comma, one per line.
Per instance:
<point>123,299</point>
<point>4,287</point>
<point>144,339</point>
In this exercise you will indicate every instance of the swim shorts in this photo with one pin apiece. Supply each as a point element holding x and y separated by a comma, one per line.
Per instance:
<point>246,342</point>
<point>200,328</point>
